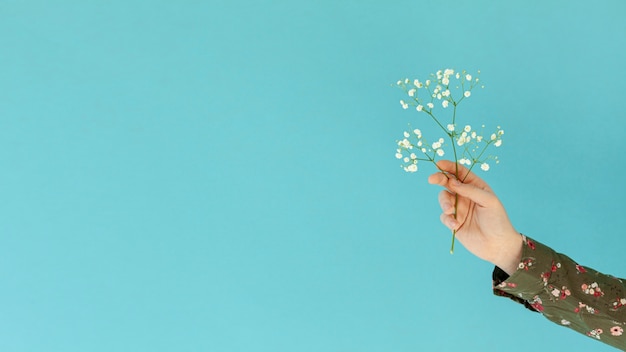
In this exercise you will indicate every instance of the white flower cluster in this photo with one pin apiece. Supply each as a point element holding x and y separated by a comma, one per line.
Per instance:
<point>475,144</point>
<point>446,88</point>
<point>407,149</point>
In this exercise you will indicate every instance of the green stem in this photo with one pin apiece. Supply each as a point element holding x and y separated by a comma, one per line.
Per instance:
<point>437,121</point>
<point>456,174</point>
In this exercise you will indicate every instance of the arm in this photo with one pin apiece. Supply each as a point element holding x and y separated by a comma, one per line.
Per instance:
<point>527,271</point>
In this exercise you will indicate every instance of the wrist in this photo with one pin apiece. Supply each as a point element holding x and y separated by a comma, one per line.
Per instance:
<point>510,254</point>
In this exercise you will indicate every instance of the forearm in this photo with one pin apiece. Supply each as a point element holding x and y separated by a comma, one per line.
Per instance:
<point>571,295</point>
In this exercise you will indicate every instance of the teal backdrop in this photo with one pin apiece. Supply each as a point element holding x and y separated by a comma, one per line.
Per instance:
<point>220,175</point>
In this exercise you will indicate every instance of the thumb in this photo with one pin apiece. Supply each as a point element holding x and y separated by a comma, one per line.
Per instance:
<point>476,194</point>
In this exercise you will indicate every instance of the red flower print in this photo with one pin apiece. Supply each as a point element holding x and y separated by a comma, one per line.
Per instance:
<point>617,331</point>
<point>537,304</point>
<point>592,289</point>
<point>531,244</point>
<point>538,307</point>
<point>595,333</point>
<point>580,269</point>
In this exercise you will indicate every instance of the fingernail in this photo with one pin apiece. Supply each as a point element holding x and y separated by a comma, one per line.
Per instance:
<point>455,181</point>
<point>452,224</point>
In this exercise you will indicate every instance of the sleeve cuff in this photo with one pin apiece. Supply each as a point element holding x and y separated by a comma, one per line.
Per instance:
<point>530,278</point>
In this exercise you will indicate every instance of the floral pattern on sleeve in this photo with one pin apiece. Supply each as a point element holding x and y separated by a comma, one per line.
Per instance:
<point>566,293</point>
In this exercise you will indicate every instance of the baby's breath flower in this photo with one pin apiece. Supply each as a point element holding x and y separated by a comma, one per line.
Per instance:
<point>398,155</point>
<point>467,93</point>
<point>411,92</point>
<point>444,104</point>
<point>498,143</point>
<point>450,127</point>
<point>448,72</point>
<point>405,144</point>
<point>406,134</point>
<point>467,128</point>
<point>430,105</point>
<point>404,105</point>
<point>484,166</point>
<point>419,108</point>
<point>418,133</point>
<point>445,81</point>
<point>411,168</point>
<point>440,152</point>
<point>493,136</point>
<point>468,77</point>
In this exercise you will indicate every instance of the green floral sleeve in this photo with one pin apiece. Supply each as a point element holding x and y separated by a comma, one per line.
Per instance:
<point>566,293</point>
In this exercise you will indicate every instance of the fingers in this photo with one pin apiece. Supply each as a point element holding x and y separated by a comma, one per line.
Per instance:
<point>464,174</point>
<point>478,195</point>
<point>449,221</point>
<point>446,201</point>
<point>438,179</point>
<point>473,187</point>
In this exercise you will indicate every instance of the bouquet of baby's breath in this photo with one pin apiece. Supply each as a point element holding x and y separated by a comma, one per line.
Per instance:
<point>438,98</point>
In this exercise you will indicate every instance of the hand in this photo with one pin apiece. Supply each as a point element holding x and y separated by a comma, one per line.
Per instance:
<point>481,223</point>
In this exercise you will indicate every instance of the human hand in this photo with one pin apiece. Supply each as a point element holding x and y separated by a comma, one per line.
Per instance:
<point>481,222</point>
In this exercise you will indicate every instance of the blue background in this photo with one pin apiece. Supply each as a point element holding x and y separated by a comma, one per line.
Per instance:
<point>220,175</point>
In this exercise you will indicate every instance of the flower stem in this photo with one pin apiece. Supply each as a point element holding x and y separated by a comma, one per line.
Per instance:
<point>456,174</point>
